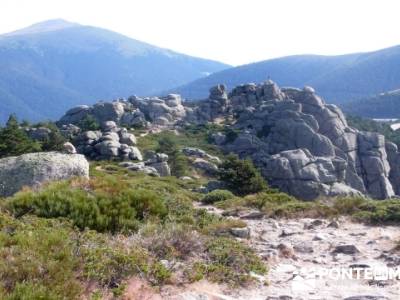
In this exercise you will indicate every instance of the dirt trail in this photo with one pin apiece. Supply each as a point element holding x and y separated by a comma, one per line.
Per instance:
<point>297,249</point>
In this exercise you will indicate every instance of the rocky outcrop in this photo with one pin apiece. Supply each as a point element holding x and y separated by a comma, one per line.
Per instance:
<point>201,160</point>
<point>196,152</point>
<point>305,147</point>
<point>112,142</point>
<point>39,133</point>
<point>156,164</point>
<point>36,168</point>
<point>301,144</point>
<point>216,106</point>
<point>134,112</point>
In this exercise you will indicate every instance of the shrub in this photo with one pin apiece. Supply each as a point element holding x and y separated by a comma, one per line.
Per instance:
<point>240,176</point>
<point>110,263</point>
<point>216,196</point>
<point>55,140</point>
<point>385,211</point>
<point>172,241</point>
<point>104,205</point>
<point>38,260</point>
<point>89,123</point>
<point>177,161</point>
<point>231,262</point>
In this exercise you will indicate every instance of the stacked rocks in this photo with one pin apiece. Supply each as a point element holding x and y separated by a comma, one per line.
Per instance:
<point>305,147</point>
<point>201,160</point>
<point>301,144</point>
<point>156,164</point>
<point>217,105</point>
<point>112,142</point>
<point>162,111</point>
<point>134,112</point>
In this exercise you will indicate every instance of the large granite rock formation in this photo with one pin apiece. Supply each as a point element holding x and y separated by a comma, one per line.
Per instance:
<point>134,112</point>
<point>305,147</point>
<point>111,142</point>
<point>36,168</point>
<point>301,144</point>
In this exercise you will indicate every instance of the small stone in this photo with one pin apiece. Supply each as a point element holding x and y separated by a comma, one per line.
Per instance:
<point>286,250</point>
<point>253,215</point>
<point>275,225</point>
<point>286,233</point>
<point>333,224</point>
<point>313,224</point>
<point>319,237</point>
<point>242,233</point>
<point>303,248</point>
<point>346,249</point>
<point>69,148</point>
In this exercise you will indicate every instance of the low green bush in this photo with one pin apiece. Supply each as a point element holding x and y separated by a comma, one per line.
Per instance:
<point>38,260</point>
<point>102,204</point>
<point>231,262</point>
<point>240,176</point>
<point>216,196</point>
<point>370,211</point>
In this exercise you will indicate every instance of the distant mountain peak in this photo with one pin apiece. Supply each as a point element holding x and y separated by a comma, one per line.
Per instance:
<point>45,26</point>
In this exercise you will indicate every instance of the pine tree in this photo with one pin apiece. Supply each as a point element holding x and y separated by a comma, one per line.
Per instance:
<point>14,140</point>
<point>240,176</point>
<point>177,161</point>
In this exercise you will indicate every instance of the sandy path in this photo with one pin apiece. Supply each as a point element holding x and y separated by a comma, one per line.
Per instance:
<point>294,248</point>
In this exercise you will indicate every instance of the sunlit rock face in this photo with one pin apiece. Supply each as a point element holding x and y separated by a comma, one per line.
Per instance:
<point>305,147</point>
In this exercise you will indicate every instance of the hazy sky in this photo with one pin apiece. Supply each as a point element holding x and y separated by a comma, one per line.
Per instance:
<point>232,31</point>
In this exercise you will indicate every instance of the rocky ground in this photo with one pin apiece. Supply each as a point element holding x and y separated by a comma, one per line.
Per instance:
<point>291,247</point>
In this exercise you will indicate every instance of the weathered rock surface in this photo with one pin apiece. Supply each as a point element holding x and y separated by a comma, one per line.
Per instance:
<point>301,144</point>
<point>34,169</point>
<point>134,112</point>
<point>112,142</point>
<point>304,146</point>
<point>156,164</point>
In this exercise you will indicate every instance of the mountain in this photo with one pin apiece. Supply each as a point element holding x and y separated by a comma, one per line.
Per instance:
<point>382,106</point>
<point>337,78</point>
<point>53,65</point>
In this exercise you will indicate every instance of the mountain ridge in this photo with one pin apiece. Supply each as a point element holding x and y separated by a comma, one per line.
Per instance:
<point>338,78</point>
<point>50,70</point>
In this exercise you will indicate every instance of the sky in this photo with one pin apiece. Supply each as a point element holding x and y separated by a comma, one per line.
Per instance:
<point>232,31</point>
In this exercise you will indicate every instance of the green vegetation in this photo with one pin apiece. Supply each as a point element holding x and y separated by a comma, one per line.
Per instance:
<point>382,106</point>
<point>373,126</point>
<point>216,196</point>
<point>227,255</point>
<point>370,211</point>
<point>281,205</point>
<point>197,136</point>
<point>177,161</point>
<point>55,140</point>
<point>103,231</point>
<point>241,176</point>
<point>89,123</point>
<point>14,140</point>
<point>104,204</point>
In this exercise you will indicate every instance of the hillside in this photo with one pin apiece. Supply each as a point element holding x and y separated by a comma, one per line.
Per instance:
<point>51,66</point>
<point>187,220</point>
<point>337,78</point>
<point>382,106</point>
